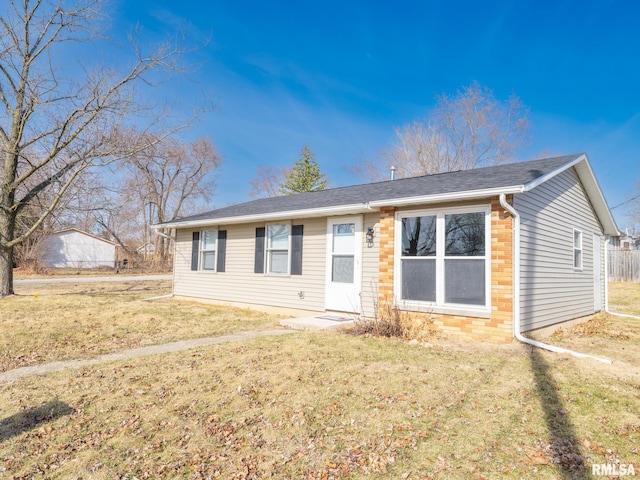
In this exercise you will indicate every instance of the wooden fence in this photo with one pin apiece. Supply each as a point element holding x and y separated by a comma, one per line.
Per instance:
<point>624,265</point>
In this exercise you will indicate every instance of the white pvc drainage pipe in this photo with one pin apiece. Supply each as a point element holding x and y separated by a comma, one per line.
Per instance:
<point>516,291</point>
<point>622,314</point>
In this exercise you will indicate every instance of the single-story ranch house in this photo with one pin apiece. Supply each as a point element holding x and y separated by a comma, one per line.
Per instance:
<point>481,251</point>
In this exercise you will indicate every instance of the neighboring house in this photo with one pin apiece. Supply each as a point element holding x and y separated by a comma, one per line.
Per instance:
<point>148,248</point>
<point>77,249</point>
<point>444,245</point>
<point>629,242</point>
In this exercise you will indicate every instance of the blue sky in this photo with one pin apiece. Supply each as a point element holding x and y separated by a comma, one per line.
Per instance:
<point>339,76</point>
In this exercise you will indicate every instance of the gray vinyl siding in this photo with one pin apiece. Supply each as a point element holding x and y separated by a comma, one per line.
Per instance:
<point>551,290</point>
<point>239,284</point>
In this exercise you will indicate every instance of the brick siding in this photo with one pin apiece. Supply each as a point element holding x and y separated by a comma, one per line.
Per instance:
<point>499,327</point>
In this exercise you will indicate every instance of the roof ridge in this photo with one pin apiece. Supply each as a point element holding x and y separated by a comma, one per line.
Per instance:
<point>481,178</point>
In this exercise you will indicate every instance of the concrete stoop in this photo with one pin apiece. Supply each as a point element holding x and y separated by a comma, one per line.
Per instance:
<point>318,322</point>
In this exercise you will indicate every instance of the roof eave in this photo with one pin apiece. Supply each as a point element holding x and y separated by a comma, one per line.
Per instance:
<point>269,217</point>
<point>345,209</point>
<point>446,197</point>
<point>598,200</point>
<point>590,183</point>
<point>82,232</point>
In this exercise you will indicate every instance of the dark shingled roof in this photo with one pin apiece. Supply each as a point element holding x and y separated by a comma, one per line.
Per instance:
<point>512,174</point>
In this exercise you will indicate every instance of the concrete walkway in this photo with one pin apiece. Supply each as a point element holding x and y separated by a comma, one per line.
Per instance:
<point>320,322</point>
<point>81,279</point>
<point>181,345</point>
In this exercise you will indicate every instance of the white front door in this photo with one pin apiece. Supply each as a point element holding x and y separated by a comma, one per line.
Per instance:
<point>597,273</point>
<point>344,264</point>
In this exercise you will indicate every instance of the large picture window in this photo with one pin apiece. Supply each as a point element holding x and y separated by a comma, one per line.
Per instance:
<point>443,257</point>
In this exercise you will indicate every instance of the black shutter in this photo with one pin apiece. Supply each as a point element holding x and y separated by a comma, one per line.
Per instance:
<point>222,250</point>
<point>195,246</point>
<point>296,249</point>
<point>258,266</point>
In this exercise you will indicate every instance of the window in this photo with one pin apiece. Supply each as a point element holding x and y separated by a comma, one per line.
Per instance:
<point>418,264</point>
<point>343,253</point>
<point>277,248</point>
<point>208,250</point>
<point>464,261</point>
<point>577,249</point>
<point>443,258</point>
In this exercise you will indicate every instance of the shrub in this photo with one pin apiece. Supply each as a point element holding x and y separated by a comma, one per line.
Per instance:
<point>391,322</point>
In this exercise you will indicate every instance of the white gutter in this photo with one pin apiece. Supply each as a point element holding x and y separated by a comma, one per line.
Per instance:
<point>262,217</point>
<point>162,234</point>
<point>516,292</point>
<point>444,197</point>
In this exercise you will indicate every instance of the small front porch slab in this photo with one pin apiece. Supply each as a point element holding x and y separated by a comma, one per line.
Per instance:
<point>318,322</point>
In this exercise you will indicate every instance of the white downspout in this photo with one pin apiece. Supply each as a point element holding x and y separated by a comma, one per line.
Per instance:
<point>516,291</point>
<point>606,273</point>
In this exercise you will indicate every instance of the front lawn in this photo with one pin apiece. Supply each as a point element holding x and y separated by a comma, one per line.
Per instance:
<point>328,405</point>
<point>47,322</point>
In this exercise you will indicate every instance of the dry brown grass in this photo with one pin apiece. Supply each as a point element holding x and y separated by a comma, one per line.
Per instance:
<point>391,322</point>
<point>325,405</point>
<point>49,322</point>
<point>624,297</point>
<point>320,406</point>
<point>610,336</point>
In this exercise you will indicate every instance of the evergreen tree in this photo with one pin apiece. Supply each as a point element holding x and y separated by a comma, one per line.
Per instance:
<point>305,176</point>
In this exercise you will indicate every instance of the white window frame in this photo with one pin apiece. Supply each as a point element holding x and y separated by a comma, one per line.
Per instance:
<point>440,306</point>
<point>268,250</point>
<point>578,249</point>
<point>202,250</point>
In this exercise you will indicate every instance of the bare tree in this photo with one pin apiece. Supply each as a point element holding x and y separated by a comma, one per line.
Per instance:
<point>75,209</point>
<point>467,130</point>
<point>268,181</point>
<point>167,179</point>
<point>52,126</point>
<point>632,206</point>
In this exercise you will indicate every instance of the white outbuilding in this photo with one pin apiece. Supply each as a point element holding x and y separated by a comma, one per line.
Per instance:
<point>73,248</point>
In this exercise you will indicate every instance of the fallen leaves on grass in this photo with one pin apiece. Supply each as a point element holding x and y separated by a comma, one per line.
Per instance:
<point>320,406</point>
<point>601,325</point>
<point>80,321</point>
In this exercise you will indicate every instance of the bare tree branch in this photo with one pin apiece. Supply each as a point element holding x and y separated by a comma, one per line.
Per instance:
<point>52,129</point>
<point>467,130</point>
<point>268,181</point>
